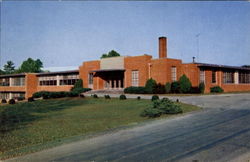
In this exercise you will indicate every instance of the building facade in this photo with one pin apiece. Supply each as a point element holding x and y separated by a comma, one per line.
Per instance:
<point>125,71</point>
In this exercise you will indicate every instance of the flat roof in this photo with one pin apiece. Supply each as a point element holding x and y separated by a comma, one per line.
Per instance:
<point>107,70</point>
<point>58,72</point>
<point>222,66</point>
<point>12,75</point>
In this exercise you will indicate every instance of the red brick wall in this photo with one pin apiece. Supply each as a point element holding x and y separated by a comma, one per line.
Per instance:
<point>31,82</point>
<point>192,72</point>
<point>161,69</point>
<point>85,69</point>
<point>139,63</point>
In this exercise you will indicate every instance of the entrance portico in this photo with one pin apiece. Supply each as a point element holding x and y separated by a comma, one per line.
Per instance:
<point>111,78</point>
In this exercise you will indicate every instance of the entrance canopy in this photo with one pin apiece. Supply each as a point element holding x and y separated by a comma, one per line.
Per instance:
<point>109,70</point>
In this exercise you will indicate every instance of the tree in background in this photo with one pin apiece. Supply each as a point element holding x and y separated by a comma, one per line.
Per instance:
<point>31,66</point>
<point>111,53</point>
<point>9,67</point>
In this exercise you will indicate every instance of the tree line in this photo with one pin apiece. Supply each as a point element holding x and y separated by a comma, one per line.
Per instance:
<point>28,66</point>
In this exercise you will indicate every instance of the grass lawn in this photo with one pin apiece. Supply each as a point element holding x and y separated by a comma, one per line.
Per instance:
<point>32,126</point>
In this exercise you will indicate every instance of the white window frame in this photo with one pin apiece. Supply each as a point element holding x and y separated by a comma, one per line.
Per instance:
<point>202,76</point>
<point>173,73</point>
<point>135,78</point>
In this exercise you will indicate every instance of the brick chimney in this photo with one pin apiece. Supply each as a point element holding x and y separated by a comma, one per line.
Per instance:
<point>162,47</point>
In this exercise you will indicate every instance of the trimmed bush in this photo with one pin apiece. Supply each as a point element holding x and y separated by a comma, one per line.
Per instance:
<point>159,89</point>
<point>167,87</point>
<point>202,87</point>
<point>82,96</point>
<point>163,106</point>
<point>107,97</point>
<point>195,90</point>
<point>94,96</point>
<point>151,112</point>
<point>20,98</point>
<point>4,101</point>
<point>139,97</point>
<point>154,97</point>
<point>40,94</point>
<point>135,90</point>
<point>185,84</point>
<point>149,86</point>
<point>31,99</point>
<point>123,97</point>
<point>12,101</point>
<point>216,89</point>
<point>80,90</point>
<point>175,87</point>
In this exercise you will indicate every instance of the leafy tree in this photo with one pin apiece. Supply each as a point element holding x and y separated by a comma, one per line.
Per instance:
<point>9,67</point>
<point>246,66</point>
<point>149,86</point>
<point>1,72</point>
<point>185,84</point>
<point>111,53</point>
<point>31,66</point>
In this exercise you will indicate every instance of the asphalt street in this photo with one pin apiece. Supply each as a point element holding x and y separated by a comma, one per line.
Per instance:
<point>219,132</point>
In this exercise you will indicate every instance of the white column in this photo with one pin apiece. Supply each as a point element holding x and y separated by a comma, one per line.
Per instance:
<point>11,82</point>
<point>110,84</point>
<point>10,95</point>
<point>236,77</point>
<point>119,84</point>
<point>57,80</point>
<point>115,84</point>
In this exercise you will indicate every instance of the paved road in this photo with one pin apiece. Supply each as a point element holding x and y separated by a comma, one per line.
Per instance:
<point>220,132</point>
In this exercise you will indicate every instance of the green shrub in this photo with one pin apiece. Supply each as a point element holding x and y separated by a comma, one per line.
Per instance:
<point>195,90</point>
<point>149,86</point>
<point>135,90</point>
<point>175,87</point>
<point>78,84</point>
<point>40,94</point>
<point>167,87</point>
<point>3,101</point>
<point>80,90</point>
<point>154,97</point>
<point>216,89</point>
<point>30,99</point>
<point>12,101</point>
<point>72,94</point>
<point>159,89</point>
<point>163,106</point>
<point>123,97</point>
<point>185,84</point>
<point>94,96</point>
<point>20,98</point>
<point>202,87</point>
<point>107,97</point>
<point>82,96</point>
<point>151,112</point>
<point>138,98</point>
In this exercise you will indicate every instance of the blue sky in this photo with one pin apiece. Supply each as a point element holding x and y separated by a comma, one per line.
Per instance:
<point>68,33</point>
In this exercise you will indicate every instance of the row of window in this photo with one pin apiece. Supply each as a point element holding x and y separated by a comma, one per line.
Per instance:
<point>63,80</point>
<point>9,95</point>
<point>228,77</point>
<point>20,81</point>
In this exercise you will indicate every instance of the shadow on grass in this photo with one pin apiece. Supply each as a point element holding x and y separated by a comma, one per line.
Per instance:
<point>16,116</point>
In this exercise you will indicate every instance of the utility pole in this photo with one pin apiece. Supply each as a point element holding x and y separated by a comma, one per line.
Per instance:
<point>198,45</point>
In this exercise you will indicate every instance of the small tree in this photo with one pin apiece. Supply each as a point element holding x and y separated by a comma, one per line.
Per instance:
<point>185,84</point>
<point>168,87</point>
<point>175,87</point>
<point>9,67</point>
<point>149,86</point>
<point>159,89</point>
<point>202,87</point>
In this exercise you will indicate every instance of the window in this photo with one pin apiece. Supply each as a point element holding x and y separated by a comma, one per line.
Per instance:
<point>68,79</point>
<point>4,95</point>
<point>228,77</point>
<point>173,73</point>
<point>213,76</point>
<point>16,95</point>
<point>135,78</point>
<point>202,76</point>
<point>47,81</point>
<point>244,77</point>
<point>91,78</point>
<point>20,81</point>
<point>5,82</point>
